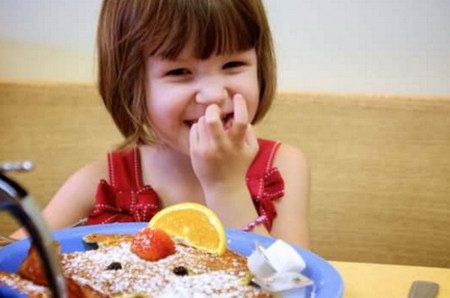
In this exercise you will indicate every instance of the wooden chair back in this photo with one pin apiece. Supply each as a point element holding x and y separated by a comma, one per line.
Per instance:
<point>380,165</point>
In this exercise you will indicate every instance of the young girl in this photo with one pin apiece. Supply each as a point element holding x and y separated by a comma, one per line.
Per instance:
<point>184,81</point>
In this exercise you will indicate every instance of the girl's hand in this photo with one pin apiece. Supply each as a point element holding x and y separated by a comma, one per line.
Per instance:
<point>220,157</point>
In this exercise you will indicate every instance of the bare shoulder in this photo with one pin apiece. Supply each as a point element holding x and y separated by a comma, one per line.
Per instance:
<point>75,199</point>
<point>77,194</point>
<point>294,168</point>
<point>92,172</point>
<point>290,158</point>
<point>83,183</point>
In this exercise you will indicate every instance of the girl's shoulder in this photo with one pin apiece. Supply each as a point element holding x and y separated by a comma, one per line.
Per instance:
<point>289,158</point>
<point>274,154</point>
<point>96,169</point>
<point>281,154</point>
<point>83,183</point>
<point>90,174</point>
<point>76,194</point>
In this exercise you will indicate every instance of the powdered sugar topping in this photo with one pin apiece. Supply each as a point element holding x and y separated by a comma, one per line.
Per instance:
<point>220,276</point>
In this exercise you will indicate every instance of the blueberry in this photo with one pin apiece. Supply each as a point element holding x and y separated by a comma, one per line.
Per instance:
<point>180,270</point>
<point>114,266</point>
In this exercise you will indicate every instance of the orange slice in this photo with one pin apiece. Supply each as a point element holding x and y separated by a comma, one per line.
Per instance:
<point>198,225</point>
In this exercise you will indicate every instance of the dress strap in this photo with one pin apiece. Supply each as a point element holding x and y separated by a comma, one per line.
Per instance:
<point>263,161</point>
<point>124,198</point>
<point>265,182</point>
<point>125,169</point>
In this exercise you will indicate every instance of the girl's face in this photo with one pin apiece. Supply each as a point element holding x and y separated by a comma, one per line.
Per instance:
<point>179,91</point>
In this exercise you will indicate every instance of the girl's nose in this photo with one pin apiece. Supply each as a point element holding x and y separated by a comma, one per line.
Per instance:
<point>212,92</point>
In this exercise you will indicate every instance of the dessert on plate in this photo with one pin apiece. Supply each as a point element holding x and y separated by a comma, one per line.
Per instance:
<point>182,253</point>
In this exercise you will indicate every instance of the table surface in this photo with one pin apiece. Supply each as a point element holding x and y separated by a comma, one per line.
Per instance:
<point>379,280</point>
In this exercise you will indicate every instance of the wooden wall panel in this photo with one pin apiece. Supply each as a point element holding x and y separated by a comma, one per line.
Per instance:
<point>59,127</point>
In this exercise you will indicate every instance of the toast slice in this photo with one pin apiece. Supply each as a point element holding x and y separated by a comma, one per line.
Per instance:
<point>113,270</point>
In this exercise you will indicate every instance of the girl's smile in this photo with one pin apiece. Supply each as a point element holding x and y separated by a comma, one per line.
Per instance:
<point>179,91</point>
<point>226,118</point>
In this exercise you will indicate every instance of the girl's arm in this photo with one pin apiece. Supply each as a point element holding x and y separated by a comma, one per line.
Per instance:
<point>74,200</point>
<point>220,159</point>
<point>292,222</point>
<point>234,205</point>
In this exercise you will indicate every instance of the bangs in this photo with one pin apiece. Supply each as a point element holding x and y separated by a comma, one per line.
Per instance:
<point>209,26</point>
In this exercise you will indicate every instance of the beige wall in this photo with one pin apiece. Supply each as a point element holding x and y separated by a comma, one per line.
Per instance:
<point>400,46</point>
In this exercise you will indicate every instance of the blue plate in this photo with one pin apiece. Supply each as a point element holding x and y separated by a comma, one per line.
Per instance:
<point>327,281</point>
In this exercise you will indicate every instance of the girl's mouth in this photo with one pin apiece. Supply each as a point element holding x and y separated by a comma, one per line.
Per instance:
<point>227,121</point>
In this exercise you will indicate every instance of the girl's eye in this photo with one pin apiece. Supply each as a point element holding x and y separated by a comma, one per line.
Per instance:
<point>178,72</point>
<point>233,64</point>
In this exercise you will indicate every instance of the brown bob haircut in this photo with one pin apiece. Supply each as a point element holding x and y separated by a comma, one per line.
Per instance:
<point>130,31</point>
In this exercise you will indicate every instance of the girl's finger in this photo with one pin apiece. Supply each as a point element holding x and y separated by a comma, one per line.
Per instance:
<point>203,134</point>
<point>240,121</point>
<point>193,137</point>
<point>214,123</point>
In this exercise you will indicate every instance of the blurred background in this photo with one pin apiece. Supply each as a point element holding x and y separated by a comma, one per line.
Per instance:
<point>370,46</point>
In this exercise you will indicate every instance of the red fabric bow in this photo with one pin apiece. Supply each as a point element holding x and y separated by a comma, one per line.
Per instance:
<point>264,190</point>
<point>115,205</point>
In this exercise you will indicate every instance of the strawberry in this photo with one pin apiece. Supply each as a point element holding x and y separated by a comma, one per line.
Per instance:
<point>152,244</point>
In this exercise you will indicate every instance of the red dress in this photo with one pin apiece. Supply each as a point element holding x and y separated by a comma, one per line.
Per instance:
<point>126,199</point>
